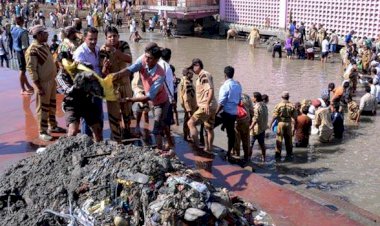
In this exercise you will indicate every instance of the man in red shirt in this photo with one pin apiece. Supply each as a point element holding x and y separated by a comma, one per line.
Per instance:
<point>303,128</point>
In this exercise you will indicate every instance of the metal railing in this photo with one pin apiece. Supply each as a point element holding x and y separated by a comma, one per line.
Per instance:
<point>178,3</point>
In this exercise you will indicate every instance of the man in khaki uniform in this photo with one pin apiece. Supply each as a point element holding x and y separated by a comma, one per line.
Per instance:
<point>242,128</point>
<point>284,112</point>
<point>207,105</point>
<point>259,123</point>
<point>118,55</point>
<point>41,67</point>
<point>187,99</point>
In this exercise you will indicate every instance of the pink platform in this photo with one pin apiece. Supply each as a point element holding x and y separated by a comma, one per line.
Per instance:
<point>363,16</point>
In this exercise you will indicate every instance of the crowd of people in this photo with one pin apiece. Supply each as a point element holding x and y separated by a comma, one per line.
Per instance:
<point>85,74</point>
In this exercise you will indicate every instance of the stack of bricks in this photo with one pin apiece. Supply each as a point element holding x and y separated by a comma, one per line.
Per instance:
<point>363,16</point>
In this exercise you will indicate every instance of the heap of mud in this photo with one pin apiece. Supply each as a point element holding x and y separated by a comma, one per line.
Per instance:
<point>78,182</point>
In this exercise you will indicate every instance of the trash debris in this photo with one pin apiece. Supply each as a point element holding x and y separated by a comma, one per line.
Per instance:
<point>78,182</point>
<point>40,150</point>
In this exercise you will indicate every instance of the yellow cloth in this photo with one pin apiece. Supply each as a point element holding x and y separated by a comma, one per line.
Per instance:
<point>106,82</point>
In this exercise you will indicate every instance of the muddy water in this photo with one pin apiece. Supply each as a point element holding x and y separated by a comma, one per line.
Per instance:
<point>348,169</point>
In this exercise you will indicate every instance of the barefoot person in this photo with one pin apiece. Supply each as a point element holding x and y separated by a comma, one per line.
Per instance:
<point>204,91</point>
<point>259,123</point>
<point>20,44</point>
<point>153,78</point>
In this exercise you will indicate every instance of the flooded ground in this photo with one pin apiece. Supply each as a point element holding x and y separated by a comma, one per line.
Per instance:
<point>348,169</point>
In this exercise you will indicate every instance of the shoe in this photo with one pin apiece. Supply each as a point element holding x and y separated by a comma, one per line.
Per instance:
<point>45,137</point>
<point>57,129</point>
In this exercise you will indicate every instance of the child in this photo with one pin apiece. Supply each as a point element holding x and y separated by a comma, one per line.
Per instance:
<point>288,47</point>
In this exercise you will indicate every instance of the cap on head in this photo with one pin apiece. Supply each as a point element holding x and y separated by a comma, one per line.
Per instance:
<point>285,94</point>
<point>36,29</point>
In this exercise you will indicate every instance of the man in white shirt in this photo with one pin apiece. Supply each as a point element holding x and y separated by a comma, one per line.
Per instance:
<point>325,49</point>
<point>368,104</point>
<point>169,87</point>
<point>151,24</point>
<point>88,54</point>
<point>334,42</point>
<point>90,20</point>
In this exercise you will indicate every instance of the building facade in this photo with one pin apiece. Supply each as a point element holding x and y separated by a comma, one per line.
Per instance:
<point>363,16</point>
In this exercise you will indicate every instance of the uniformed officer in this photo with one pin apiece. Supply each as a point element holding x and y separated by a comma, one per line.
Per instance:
<point>118,56</point>
<point>187,99</point>
<point>242,128</point>
<point>42,70</point>
<point>284,112</point>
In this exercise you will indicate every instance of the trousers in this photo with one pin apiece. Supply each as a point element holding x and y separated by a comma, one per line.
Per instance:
<point>242,135</point>
<point>119,117</point>
<point>46,106</point>
<point>228,122</point>
<point>284,132</point>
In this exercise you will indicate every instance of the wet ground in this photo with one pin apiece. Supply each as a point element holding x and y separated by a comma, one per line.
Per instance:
<point>347,169</point>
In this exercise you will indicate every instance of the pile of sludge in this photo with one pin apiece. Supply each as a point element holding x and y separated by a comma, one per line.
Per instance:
<point>78,182</point>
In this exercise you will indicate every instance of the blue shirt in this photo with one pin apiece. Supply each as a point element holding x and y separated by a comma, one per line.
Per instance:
<point>84,55</point>
<point>230,96</point>
<point>155,87</point>
<point>348,38</point>
<point>292,28</point>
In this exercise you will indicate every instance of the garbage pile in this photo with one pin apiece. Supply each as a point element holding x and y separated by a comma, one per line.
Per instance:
<point>78,182</point>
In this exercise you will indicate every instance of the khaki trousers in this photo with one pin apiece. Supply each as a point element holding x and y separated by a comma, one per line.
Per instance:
<point>242,135</point>
<point>46,106</point>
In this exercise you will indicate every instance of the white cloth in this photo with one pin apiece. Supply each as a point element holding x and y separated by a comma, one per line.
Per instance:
<point>132,28</point>
<point>325,45</point>
<point>368,102</point>
<point>3,41</point>
<point>90,20</point>
<point>169,78</point>
<point>375,91</point>
<point>151,23</point>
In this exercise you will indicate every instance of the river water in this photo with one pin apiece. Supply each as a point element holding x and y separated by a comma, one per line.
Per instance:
<point>348,169</point>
